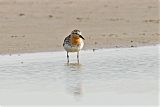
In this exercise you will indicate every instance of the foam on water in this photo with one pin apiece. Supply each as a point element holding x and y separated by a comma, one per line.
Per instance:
<point>127,76</point>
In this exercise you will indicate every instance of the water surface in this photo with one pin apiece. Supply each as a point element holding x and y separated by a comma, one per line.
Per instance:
<point>122,76</point>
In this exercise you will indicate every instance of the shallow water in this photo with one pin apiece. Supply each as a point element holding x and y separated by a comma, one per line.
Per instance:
<point>122,76</point>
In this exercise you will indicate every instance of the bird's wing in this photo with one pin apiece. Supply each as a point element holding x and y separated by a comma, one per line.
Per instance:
<point>67,40</point>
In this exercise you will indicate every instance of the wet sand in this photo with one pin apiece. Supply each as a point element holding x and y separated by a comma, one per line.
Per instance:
<point>119,77</point>
<point>41,25</point>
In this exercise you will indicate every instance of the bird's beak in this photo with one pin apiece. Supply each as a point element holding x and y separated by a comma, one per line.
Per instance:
<point>81,37</point>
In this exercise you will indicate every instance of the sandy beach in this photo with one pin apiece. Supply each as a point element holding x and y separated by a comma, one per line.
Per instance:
<point>41,25</point>
<point>124,70</point>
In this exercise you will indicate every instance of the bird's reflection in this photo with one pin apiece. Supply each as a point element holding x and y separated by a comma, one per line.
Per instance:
<point>74,79</point>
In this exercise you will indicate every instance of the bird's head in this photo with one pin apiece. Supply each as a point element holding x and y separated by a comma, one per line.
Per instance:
<point>77,33</point>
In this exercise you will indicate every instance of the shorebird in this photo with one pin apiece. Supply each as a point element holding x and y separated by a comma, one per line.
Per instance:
<point>73,43</point>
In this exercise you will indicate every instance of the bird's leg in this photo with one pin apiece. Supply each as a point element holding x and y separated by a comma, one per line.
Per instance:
<point>67,58</point>
<point>78,57</point>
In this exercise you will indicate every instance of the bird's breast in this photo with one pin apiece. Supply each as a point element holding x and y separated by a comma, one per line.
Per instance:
<point>75,40</point>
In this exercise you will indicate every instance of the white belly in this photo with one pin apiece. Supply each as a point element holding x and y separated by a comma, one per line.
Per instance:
<point>75,48</point>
